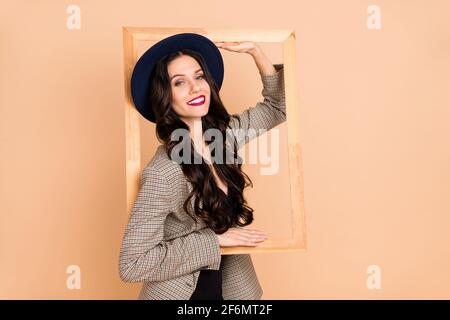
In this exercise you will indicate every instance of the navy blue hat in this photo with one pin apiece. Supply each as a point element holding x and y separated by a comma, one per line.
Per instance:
<point>140,79</point>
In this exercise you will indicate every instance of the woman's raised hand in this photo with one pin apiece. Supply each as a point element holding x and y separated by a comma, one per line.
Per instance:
<point>236,46</point>
<point>241,237</point>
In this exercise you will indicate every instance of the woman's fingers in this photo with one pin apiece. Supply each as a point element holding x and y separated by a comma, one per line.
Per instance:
<point>247,242</point>
<point>250,237</point>
<point>227,42</point>
<point>251,232</point>
<point>241,237</point>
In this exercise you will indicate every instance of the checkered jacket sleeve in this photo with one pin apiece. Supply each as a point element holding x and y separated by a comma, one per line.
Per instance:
<point>145,255</point>
<point>266,114</point>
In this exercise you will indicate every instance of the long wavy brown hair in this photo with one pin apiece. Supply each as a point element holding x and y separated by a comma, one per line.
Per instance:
<point>214,210</point>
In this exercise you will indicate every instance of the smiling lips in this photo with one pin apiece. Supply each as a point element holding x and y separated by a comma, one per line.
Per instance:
<point>197,101</point>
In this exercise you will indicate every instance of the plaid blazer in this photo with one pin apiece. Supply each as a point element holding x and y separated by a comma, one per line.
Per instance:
<point>165,248</point>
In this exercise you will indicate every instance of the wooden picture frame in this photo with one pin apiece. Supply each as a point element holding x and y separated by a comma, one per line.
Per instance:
<point>132,38</point>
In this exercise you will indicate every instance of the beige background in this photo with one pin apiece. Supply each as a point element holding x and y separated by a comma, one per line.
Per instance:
<point>374,137</point>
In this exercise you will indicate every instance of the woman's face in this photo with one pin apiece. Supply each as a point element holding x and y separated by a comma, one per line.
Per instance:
<point>188,82</point>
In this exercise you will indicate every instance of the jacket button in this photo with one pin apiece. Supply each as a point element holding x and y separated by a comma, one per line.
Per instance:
<point>188,284</point>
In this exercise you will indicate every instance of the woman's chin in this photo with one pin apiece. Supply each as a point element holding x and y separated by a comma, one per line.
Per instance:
<point>201,112</point>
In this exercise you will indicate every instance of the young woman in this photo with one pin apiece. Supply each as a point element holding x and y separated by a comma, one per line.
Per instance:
<point>186,211</point>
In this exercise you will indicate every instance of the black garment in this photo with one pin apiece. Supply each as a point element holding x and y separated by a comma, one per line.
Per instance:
<point>209,284</point>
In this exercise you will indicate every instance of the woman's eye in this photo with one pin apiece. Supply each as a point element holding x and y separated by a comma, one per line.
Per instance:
<point>179,82</point>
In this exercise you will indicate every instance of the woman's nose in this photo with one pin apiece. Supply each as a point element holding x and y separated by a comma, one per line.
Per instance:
<point>194,86</point>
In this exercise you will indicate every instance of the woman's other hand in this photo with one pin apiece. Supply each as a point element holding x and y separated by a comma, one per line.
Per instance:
<point>244,46</point>
<point>241,237</point>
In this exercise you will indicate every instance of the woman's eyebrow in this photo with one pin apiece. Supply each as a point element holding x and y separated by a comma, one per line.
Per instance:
<point>183,74</point>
